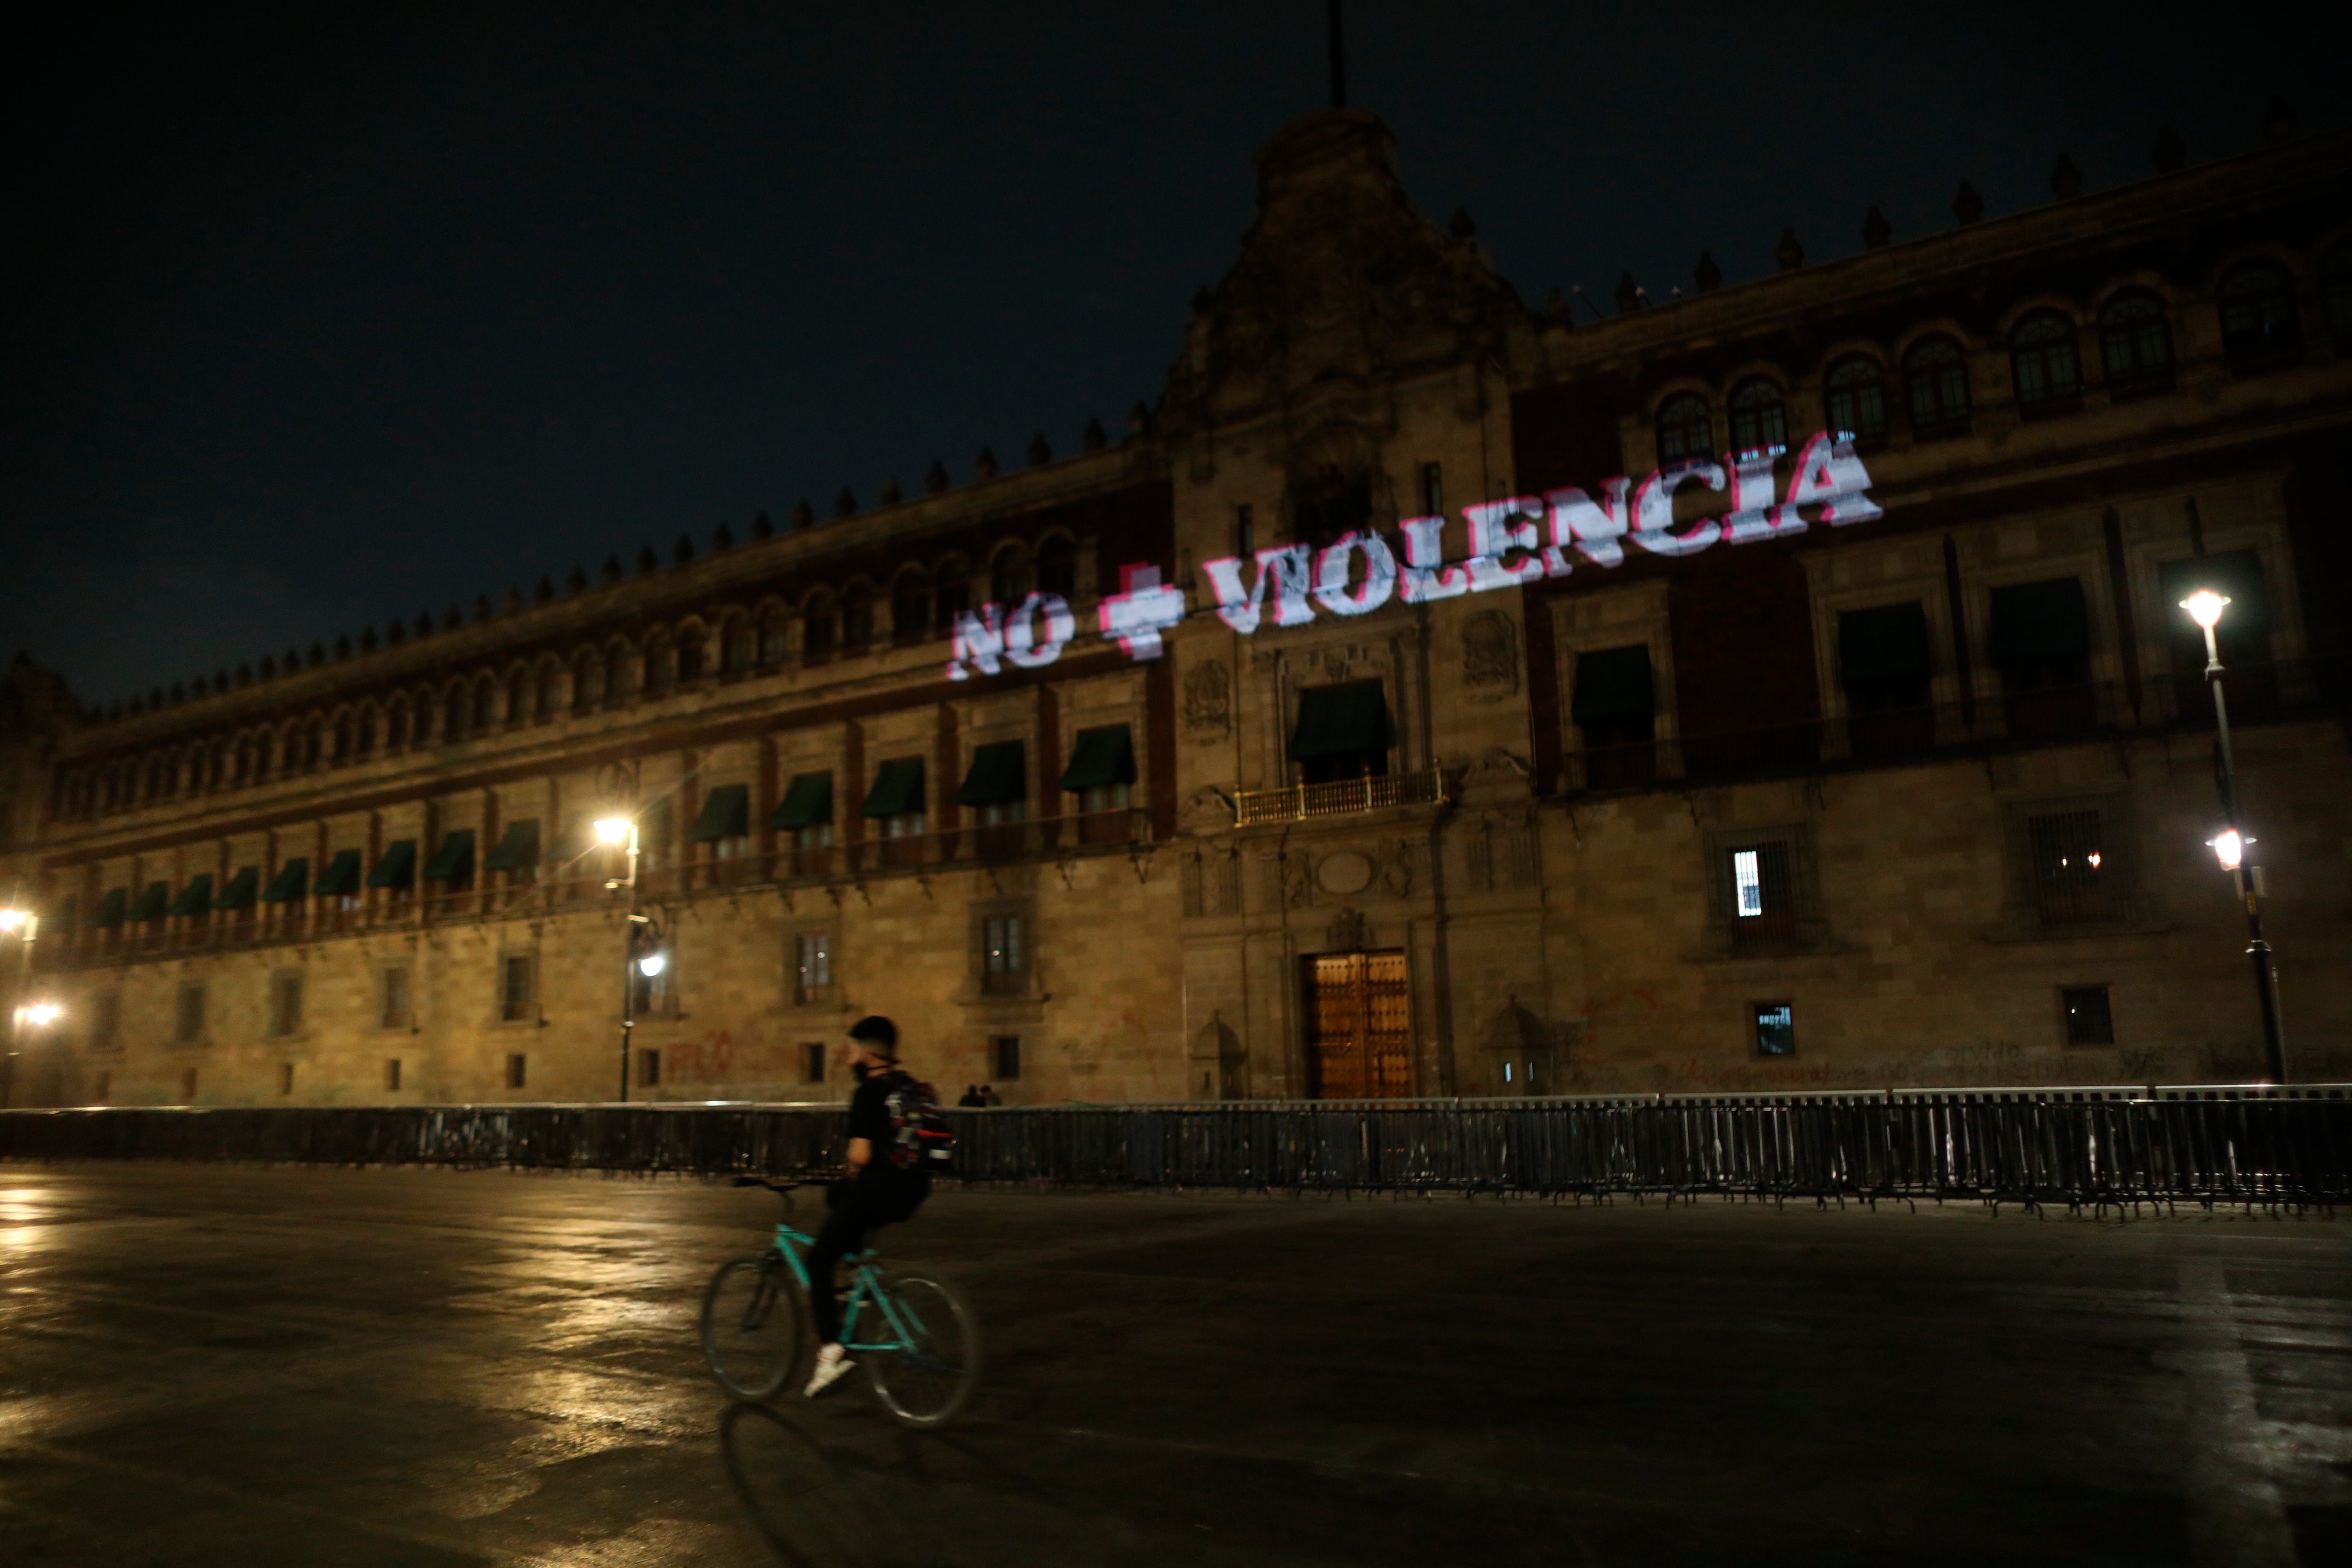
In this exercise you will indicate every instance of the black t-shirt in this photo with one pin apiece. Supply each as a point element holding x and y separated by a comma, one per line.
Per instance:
<point>869,1118</point>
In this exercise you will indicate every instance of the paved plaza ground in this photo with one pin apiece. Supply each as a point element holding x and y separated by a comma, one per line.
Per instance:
<point>242,1366</point>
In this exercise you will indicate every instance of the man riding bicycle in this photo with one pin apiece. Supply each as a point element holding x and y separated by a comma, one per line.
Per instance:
<point>876,1192</point>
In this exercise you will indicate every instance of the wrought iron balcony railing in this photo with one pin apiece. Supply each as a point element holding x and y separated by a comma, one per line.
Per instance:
<point>1299,802</point>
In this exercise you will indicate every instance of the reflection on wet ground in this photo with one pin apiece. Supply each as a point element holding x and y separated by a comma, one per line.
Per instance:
<point>212,1366</point>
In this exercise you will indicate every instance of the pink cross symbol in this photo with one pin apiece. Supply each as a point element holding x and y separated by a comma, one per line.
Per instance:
<point>1137,616</point>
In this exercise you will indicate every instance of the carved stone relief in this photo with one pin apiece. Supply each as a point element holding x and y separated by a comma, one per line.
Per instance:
<point>1397,867</point>
<point>1490,655</point>
<point>1208,701</point>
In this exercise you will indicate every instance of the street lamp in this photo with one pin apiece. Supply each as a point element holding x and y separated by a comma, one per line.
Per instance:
<point>2229,846</point>
<point>616,832</point>
<point>26,927</point>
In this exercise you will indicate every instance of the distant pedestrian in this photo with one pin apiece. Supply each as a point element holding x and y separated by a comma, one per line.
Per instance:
<point>988,1095</point>
<point>972,1097</point>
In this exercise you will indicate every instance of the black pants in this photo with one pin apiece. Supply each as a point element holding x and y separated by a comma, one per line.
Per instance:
<point>860,1204</point>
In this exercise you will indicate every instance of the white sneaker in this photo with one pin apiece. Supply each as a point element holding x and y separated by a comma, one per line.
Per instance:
<point>832,1365</point>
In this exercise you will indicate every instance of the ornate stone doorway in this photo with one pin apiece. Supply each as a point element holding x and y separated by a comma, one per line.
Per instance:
<point>1359,1026</point>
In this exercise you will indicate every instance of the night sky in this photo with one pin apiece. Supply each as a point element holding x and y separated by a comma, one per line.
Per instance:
<point>319,323</point>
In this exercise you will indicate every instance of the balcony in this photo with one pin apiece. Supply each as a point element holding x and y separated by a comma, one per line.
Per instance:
<point>1300,803</point>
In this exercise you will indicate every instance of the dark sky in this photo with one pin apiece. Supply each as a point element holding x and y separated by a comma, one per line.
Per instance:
<point>319,323</point>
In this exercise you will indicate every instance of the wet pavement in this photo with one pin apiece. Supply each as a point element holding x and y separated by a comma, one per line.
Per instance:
<point>242,1366</point>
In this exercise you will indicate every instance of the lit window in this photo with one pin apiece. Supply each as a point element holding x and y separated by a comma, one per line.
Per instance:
<point>1775,1028</point>
<point>1748,878</point>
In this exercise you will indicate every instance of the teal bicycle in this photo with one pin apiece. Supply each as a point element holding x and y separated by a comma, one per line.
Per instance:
<point>921,1350</point>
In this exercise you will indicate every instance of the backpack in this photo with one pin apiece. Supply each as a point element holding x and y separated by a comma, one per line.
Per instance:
<point>920,1138</point>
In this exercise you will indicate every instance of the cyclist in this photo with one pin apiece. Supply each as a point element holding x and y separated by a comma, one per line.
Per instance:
<point>875,1193</point>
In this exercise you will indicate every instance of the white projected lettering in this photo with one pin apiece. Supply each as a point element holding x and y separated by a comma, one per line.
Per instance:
<point>1513,541</point>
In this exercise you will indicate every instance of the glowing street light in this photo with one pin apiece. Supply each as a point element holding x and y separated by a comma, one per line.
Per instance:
<point>2205,607</point>
<point>617,832</point>
<point>26,927</point>
<point>613,830</point>
<point>653,963</point>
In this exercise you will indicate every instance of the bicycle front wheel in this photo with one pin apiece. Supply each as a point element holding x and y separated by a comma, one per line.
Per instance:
<point>752,1325</point>
<point>926,1381</point>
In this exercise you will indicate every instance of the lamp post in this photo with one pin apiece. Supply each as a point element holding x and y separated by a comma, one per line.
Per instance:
<point>2205,607</point>
<point>616,831</point>
<point>26,927</point>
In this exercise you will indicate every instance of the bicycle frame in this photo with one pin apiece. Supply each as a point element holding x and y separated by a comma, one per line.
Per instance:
<point>896,1315</point>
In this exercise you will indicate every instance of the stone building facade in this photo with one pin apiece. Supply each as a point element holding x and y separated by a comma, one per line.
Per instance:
<point>1348,728</point>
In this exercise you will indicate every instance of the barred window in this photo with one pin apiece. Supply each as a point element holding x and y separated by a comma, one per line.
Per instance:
<point>814,981</point>
<point>1759,418</point>
<point>2043,361</point>
<point>1763,899</point>
<point>515,990</point>
<point>1005,956</point>
<point>2135,343</point>
<point>2070,869</point>
<point>1936,384</point>
<point>1685,428</point>
<point>1857,397</point>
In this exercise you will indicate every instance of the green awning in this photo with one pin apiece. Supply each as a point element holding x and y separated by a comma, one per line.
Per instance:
<point>1105,755</point>
<point>110,908</point>
<point>2237,575</point>
<point>155,903</point>
<point>454,858</point>
<point>293,881</point>
<point>2038,620</point>
<point>518,848</point>
<point>726,813</point>
<point>999,773</point>
<point>241,891</point>
<point>897,789</point>
<point>808,801</point>
<point>1335,720</point>
<point>341,877</point>
<point>1883,647</point>
<point>1612,683</point>
<point>196,897</point>
<point>398,866</point>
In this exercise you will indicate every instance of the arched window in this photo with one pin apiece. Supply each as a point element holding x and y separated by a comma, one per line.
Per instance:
<point>1936,385</point>
<point>1011,577</point>
<point>2336,287</point>
<point>420,719</point>
<point>2042,363</point>
<point>486,705</point>
<point>1760,420</point>
<point>312,734</point>
<point>691,639</point>
<point>517,697</point>
<point>661,668</point>
<point>1685,428</point>
<point>346,739</point>
<point>1856,388</point>
<point>817,628</point>
<point>616,674</point>
<point>2258,325</point>
<point>551,691</point>
<point>954,597</point>
<point>911,609</point>
<point>856,619</point>
<point>775,632</point>
<point>2135,343</point>
<point>1057,568</point>
<point>395,725</point>
<point>587,684</point>
<point>735,648</point>
<point>453,716</point>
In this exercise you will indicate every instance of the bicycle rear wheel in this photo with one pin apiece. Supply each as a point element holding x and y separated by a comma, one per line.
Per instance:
<point>926,1382</point>
<point>752,1325</point>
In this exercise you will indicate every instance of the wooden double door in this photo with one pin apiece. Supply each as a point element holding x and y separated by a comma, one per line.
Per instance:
<point>1359,1026</point>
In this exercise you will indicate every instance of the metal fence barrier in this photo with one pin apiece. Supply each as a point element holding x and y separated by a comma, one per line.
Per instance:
<point>2078,1146</point>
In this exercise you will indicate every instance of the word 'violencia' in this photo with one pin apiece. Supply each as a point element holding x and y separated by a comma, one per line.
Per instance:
<point>1510,545</point>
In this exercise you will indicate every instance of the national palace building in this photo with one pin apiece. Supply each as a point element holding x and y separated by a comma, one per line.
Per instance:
<point>1764,686</point>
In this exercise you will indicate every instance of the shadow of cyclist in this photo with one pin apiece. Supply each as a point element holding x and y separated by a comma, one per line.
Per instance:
<point>819,1503</point>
